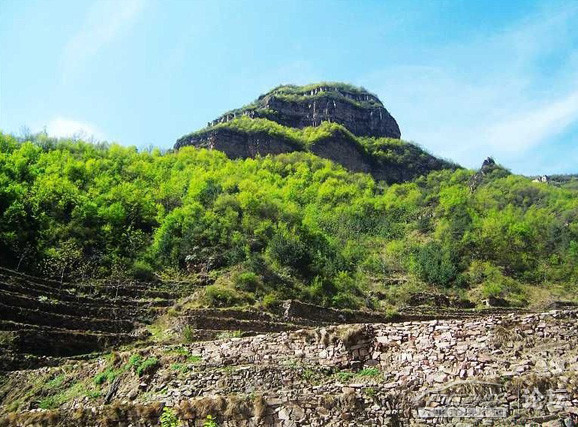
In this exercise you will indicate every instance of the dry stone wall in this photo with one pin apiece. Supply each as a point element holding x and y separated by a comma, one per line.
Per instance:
<point>509,369</point>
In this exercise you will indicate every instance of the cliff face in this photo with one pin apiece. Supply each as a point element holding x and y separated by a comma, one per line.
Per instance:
<point>241,145</point>
<point>350,126</point>
<point>360,112</point>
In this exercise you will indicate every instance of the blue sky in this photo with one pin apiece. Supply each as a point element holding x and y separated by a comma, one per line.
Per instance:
<point>465,79</point>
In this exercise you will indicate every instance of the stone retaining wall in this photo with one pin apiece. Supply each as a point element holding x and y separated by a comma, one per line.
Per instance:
<point>506,370</point>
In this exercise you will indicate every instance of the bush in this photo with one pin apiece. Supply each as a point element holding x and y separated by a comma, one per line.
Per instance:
<point>433,264</point>
<point>169,418</point>
<point>492,289</point>
<point>188,333</point>
<point>343,300</point>
<point>221,296</point>
<point>107,376</point>
<point>247,281</point>
<point>210,422</point>
<point>271,301</point>
<point>143,366</point>
<point>147,366</point>
<point>141,270</point>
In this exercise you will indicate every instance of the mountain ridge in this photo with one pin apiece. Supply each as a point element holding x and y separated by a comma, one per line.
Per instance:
<point>336,121</point>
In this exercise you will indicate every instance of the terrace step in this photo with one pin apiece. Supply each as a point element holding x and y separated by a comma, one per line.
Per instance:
<point>234,324</point>
<point>62,342</point>
<point>37,317</point>
<point>100,310</point>
<point>71,294</point>
<point>134,289</point>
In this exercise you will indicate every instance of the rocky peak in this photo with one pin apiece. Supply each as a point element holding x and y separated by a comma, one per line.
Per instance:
<point>361,112</point>
<point>489,166</point>
<point>335,121</point>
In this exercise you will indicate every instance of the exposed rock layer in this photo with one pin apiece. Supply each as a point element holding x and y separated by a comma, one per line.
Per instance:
<point>359,111</point>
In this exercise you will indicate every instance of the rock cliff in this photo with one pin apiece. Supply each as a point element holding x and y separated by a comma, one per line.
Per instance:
<point>339,122</point>
<point>361,112</point>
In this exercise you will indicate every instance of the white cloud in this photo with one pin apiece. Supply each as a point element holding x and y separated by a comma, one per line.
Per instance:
<point>524,131</point>
<point>105,21</point>
<point>66,128</point>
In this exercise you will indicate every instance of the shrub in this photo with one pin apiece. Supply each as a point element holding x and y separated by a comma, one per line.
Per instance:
<point>143,366</point>
<point>169,418</point>
<point>147,366</point>
<point>107,376</point>
<point>221,296</point>
<point>434,264</point>
<point>6,339</point>
<point>343,300</point>
<point>188,333</point>
<point>246,281</point>
<point>210,422</point>
<point>142,270</point>
<point>492,289</point>
<point>271,301</point>
<point>369,372</point>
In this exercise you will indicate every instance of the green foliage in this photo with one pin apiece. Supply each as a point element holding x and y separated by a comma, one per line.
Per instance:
<point>169,418</point>
<point>142,366</point>
<point>6,339</point>
<point>433,264</point>
<point>221,296</point>
<point>134,361</point>
<point>369,372</point>
<point>188,333</point>
<point>288,226</point>
<point>210,422</point>
<point>247,281</point>
<point>143,271</point>
<point>147,366</point>
<point>107,376</point>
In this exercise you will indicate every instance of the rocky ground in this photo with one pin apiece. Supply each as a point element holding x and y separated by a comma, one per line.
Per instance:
<point>302,366</point>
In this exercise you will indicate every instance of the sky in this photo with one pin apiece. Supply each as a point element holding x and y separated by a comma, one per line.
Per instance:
<point>465,79</point>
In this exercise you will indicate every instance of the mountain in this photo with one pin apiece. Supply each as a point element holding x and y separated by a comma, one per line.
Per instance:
<point>336,121</point>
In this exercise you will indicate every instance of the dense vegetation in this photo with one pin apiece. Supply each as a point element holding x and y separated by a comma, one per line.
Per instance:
<point>287,226</point>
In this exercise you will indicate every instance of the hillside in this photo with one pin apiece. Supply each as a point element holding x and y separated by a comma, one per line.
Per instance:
<point>342,123</point>
<point>282,270</point>
<point>257,231</point>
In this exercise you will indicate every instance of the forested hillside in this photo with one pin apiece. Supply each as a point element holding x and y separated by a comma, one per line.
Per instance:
<point>288,226</point>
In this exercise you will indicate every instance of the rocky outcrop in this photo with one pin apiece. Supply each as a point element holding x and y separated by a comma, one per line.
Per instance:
<point>241,145</point>
<point>270,126</point>
<point>489,167</point>
<point>342,150</point>
<point>361,112</point>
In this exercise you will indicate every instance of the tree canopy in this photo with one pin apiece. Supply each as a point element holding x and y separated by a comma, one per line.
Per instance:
<point>292,225</point>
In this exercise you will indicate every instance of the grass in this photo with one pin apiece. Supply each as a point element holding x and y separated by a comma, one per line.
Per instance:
<point>60,390</point>
<point>107,376</point>
<point>179,367</point>
<point>366,373</point>
<point>189,358</point>
<point>229,334</point>
<point>188,334</point>
<point>147,366</point>
<point>370,392</point>
<point>6,339</point>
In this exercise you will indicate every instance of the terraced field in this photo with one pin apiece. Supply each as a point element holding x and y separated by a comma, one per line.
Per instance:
<point>42,320</point>
<point>91,355</point>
